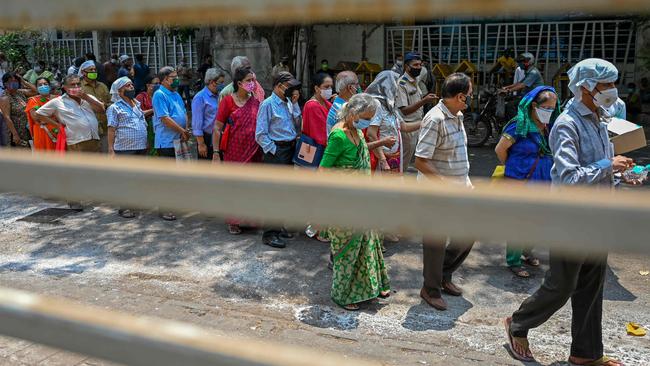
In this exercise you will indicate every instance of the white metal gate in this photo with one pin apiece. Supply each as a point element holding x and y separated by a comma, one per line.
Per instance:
<point>63,51</point>
<point>158,51</point>
<point>557,43</point>
<point>448,44</point>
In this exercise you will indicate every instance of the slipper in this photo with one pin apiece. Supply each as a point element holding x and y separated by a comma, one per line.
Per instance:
<point>322,239</point>
<point>531,261</point>
<point>603,361</point>
<point>168,216</point>
<point>351,307</point>
<point>384,295</point>
<point>519,340</point>
<point>234,229</point>
<point>126,213</point>
<point>519,271</point>
<point>634,329</point>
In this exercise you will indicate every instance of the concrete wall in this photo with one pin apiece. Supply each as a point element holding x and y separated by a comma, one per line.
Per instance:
<point>342,42</point>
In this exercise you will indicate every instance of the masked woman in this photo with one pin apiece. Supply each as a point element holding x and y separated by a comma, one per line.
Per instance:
<point>43,135</point>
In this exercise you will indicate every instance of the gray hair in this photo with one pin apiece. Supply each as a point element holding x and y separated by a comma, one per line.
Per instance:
<point>239,62</point>
<point>165,71</point>
<point>359,103</point>
<point>345,79</point>
<point>70,77</point>
<point>212,74</point>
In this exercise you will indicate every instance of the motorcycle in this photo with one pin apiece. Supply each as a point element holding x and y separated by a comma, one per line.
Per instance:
<point>492,118</point>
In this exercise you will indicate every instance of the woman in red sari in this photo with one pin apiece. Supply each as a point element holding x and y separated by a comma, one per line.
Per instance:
<point>234,132</point>
<point>314,115</point>
<point>43,136</point>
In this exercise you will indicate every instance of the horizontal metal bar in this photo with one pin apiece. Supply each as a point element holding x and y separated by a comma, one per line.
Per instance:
<point>84,14</point>
<point>569,219</point>
<point>141,341</point>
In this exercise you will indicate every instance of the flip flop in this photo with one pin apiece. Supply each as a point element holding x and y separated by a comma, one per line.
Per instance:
<point>635,329</point>
<point>234,229</point>
<point>519,340</point>
<point>519,272</point>
<point>351,307</point>
<point>531,261</point>
<point>384,294</point>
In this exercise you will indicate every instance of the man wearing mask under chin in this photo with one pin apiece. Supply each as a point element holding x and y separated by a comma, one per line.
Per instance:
<point>91,86</point>
<point>276,134</point>
<point>410,101</point>
<point>582,155</point>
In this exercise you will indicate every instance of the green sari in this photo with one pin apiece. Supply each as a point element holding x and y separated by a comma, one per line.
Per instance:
<point>359,272</point>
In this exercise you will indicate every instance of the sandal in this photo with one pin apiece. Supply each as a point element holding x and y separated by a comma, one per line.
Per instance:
<point>603,361</point>
<point>234,229</point>
<point>126,213</point>
<point>519,272</point>
<point>384,294</point>
<point>531,261</point>
<point>520,341</point>
<point>168,216</point>
<point>351,307</point>
<point>321,238</point>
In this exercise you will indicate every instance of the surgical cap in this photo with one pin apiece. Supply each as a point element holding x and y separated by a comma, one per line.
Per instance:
<point>590,72</point>
<point>85,65</point>
<point>117,85</point>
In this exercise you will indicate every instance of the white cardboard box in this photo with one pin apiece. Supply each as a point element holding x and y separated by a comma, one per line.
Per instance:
<point>625,135</point>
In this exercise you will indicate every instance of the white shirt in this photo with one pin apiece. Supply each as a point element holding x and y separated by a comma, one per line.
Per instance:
<point>520,75</point>
<point>79,118</point>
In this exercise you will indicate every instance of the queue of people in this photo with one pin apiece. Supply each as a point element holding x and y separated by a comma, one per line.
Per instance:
<point>375,131</point>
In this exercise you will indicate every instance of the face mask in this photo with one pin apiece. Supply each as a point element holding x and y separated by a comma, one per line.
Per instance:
<point>38,69</point>
<point>362,124</point>
<point>468,101</point>
<point>415,72</point>
<point>326,93</point>
<point>544,115</point>
<point>73,91</point>
<point>14,85</point>
<point>324,66</point>
<point>249,86</point>
<point>92,75</point>
<point>606,98</point>
<point>176,83</point>
<point>129,94</point>
<point>44,90</point>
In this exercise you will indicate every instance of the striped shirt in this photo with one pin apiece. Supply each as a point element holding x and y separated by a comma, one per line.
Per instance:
<point>443,143</point>
<point>130,126</point>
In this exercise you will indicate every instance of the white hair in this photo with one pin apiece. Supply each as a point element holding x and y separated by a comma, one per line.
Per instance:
<point>238,62</point>
<point>359,103</point>
<point>345,79</point>
<point>212,74</point>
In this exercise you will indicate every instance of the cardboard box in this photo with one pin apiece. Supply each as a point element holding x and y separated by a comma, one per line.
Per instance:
<point>625,136</point>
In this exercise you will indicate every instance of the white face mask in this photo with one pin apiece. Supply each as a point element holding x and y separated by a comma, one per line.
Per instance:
<point>326,93</point>
<point>606,98</point>
<point>544,115</point>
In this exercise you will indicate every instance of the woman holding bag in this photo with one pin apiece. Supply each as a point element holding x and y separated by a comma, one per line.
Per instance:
<point>234,131</point>
<point>524,150</point>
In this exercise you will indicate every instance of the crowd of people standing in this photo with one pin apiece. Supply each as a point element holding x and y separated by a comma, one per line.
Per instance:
<point>377,131</point>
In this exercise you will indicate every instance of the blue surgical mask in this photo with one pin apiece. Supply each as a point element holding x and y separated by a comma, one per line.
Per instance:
<point>44,90</point>
<point>362,124</point>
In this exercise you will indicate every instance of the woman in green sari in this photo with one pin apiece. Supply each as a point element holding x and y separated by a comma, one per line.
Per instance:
<point>358,264</point>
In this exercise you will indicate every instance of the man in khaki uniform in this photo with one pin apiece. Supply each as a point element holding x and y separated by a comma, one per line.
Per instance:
<point>410,102</point>
<point>91,86</point>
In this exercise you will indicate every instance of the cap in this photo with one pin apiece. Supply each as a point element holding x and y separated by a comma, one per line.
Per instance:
<point>124,58</point>
<point>412,56</point>
<point>283,77</point>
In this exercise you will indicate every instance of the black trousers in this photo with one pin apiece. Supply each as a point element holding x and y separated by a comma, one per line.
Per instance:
<point>283,156</point>
<point>580,280</point>
<point>167,152</point>
<point>441,262</point>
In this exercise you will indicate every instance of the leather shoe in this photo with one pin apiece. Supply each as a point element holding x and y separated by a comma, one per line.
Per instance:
<point>274,241</point>
<point>284,234</point>
<point>451,289</point>
<point>436,302</point>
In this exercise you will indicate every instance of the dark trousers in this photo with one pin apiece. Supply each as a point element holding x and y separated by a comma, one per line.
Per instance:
<point>441,262</point>
<point>167,152</point>
<point>207,137</point>
<point>184,91</point>
<point>283,156</point>
<point>582,281</point>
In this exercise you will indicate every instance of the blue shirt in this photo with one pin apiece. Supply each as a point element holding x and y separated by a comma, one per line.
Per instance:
<point>274,123</point>
<point>130,126</point>
<point>331,115</point>
<point>522,156</point>
<point>204,110</point>
<point>581,149</point>
<point>167,103</point>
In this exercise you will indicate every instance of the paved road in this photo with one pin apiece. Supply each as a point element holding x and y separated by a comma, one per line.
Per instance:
<point>193,270</point>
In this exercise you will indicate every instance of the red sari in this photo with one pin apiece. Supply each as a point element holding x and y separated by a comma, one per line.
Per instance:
<point>314,121</point>
<point>241,146</point>
<point>40,137</point>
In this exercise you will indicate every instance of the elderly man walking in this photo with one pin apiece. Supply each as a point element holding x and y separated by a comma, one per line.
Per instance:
<point>92,86</point>
<point>347,85</point>
<point>204,112</point>
<point>582,155</point>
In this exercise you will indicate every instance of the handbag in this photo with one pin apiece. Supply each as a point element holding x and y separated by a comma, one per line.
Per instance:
<point>308,153</point>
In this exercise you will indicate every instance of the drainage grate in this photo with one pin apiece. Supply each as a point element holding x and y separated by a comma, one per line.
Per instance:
<point>48,215</point>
